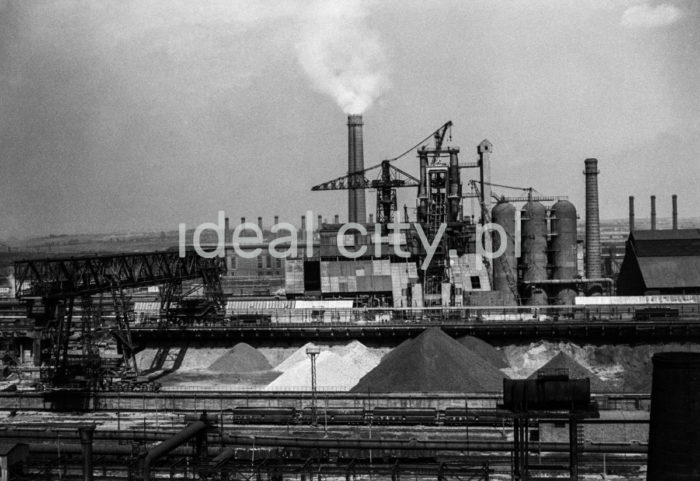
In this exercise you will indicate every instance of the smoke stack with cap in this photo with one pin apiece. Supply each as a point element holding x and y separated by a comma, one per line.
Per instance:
<point>593,267</point>
<point>631,213</point>
<point>674,201</point>
<point>653,212</point>
<point>356,163</point>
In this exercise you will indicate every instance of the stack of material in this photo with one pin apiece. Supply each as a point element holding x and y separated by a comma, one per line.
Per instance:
<point>432,362</point>
<point>241,359</point>
<point>563,361</point>
<point>485,350</point>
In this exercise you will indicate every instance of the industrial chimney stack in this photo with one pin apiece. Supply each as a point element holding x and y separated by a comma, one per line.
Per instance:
<point>653,212</point>
<point>631,213</point>
<point>674,201</point>
<point>356,163</point>
<point>593,267</point>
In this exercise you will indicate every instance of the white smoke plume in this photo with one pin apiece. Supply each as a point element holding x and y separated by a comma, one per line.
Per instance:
<point>646,16</point>
<point>342,56</point>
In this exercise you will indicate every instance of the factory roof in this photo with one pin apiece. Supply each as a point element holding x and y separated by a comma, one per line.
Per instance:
<point>666,243</point>
<point>670,271</point>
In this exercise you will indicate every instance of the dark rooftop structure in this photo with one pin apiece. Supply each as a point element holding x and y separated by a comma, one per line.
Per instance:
<point>661,262</point>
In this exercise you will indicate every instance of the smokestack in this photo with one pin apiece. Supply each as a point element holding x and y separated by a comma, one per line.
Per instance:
<point>277,219</point>
<point>320,221</point>
<point>593,268</point>
<point>303,223</point>
<point>227,231</point>
<point>242,220</point>
<point>674,201</point>
<point>336,219</point>
<point>371,218</point>
<point>653,212</point>
<point>356,163</point>
<point>631,213</point>
<point>260,223</point>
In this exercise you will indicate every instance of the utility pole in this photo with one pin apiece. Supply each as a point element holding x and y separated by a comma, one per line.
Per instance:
<point>312,352</point>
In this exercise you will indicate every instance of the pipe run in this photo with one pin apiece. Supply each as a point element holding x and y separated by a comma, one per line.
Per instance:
<point>415,445</point>
<point>197,428</point>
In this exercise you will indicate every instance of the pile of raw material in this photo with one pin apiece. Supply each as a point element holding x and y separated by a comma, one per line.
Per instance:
<point>563,361</point>
<point>242,358</point>
<point>432,362</point>
<point>485,350</point>
<point>336,368</point>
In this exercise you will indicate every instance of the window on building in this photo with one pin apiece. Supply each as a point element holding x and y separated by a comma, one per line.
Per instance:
<point>476,282</point>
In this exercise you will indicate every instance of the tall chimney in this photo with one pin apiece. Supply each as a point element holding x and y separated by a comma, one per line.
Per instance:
<point>356,163</point>
<point>674,201</point>
<point>277,219</point>
<point>631,213</point>
<point>320,221</point>
<point>336,219</point>
<point>260,225</point>
<point>593,267</point>
<point>653,212</point>
<point>227,231</point>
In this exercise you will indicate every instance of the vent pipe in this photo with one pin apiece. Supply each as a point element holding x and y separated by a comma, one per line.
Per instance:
<point>631,213</point>
<point>653,212</point>
<point>593,267</point>
<point>674,201</point>
<point>356,163</point>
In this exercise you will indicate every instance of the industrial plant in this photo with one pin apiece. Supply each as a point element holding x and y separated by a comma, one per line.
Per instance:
<point>415,342</point>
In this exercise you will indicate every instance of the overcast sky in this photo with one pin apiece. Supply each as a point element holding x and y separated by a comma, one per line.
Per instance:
<point>140,114</point>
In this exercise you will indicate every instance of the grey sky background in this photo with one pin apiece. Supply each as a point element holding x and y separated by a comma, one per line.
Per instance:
<point>139,114</point>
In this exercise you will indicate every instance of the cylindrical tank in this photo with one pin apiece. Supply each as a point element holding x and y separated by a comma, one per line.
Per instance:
<point>534,243</point>
<point>505,265</point>
<point>674,425</point>
<point>563,249</point>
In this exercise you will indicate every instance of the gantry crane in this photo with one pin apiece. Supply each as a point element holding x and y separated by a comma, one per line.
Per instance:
<point>56,283</point>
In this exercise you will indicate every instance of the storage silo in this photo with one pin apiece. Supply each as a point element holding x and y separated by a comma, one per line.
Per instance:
<point>534,249</point>
<point>674,421</point>
<point>563,249</point>
<point>505,273</point>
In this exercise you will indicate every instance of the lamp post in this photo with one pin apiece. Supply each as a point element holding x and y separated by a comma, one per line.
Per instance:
<point>312,352</point>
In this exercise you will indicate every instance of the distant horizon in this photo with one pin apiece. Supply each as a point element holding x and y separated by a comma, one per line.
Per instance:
<point>174,232</point>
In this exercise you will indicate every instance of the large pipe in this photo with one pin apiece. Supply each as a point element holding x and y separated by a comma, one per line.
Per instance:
<point>631,213</point>
<point>653,212</point>
<point>86,434</point>
<point>593,267</point>
<point>190,431</point>
<point>674,202</point>
<point>413,445</point>
<point>356,163</point>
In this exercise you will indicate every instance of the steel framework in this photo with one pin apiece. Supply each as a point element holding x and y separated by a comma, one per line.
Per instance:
<point>70,277</point>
